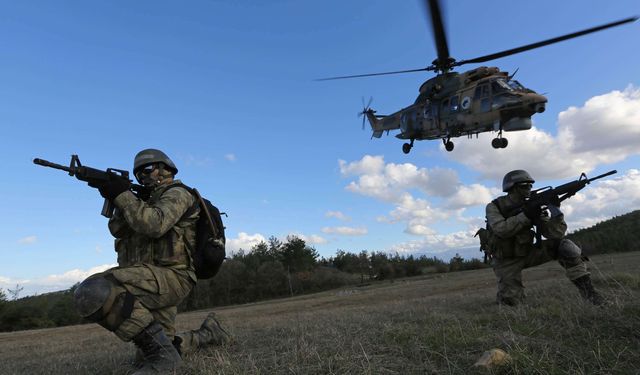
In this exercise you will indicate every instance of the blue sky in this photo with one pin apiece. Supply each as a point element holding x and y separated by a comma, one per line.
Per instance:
<point>227,90</point>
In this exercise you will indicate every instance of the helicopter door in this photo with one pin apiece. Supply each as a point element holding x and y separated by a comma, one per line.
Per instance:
<point>482,100</point>
<point>444,114</point>
<point>435,114</point>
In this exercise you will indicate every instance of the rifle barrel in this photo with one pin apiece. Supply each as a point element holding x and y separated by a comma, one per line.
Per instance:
<point>604,175</point>
<point>49,164</point>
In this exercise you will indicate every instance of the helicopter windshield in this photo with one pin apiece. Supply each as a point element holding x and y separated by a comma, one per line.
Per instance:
<point>516,85</point>
<point>500,85</point>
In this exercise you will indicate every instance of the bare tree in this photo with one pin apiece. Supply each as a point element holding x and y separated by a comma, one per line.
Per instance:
<point>15,293</point>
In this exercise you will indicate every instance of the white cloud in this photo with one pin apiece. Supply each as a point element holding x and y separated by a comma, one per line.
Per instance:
<point>244,241</point>
<point>338,215</point>
<point>53,282</point>
<point>606,129</point>
<point>419,229</point>
<point>230,157</point>
<point>607,126</point>
<point>418,211</point>
<point>345,231</point>
<point>28,240</point>
<point>386,181</point>
<point>368,165</point>
<point>434,243</point>
<point>313,239</point>
<point>472,195</point>
<point>603,199</point>
<point>393,183</point>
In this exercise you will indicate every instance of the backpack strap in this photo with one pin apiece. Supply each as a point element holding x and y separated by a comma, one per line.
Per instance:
<point>203,206</point>
<point>506,212</point>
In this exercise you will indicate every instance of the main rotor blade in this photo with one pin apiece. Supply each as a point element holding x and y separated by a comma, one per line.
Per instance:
<point>438,31</point>
<point>544,42</point>
<point>375,74</point>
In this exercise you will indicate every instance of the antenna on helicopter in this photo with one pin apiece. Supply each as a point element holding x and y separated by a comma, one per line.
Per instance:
<point>513,74</point>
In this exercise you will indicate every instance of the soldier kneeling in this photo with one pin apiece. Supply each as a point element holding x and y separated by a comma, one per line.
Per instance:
<point>511,241</point>
<point>154,234</point>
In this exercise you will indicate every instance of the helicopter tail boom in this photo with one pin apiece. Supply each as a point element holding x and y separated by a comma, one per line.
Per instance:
<point>380,124</point>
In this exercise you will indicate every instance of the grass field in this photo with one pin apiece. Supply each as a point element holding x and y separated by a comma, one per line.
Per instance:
<point>435,324</point>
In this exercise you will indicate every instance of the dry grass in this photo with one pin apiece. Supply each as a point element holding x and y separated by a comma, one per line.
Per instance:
<point>437,324</point>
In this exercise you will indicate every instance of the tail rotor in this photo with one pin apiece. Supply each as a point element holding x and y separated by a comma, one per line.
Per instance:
<point>365,110</point>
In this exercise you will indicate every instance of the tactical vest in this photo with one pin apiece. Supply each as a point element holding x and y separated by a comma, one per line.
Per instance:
<point>520,244</point>
<point>171,249</point>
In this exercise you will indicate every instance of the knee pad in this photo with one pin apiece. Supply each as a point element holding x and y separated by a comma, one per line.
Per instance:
<point>568,249</point>
<point>92,295</point>
<point>101,300</point>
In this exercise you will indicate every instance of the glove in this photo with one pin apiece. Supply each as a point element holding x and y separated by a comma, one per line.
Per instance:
<point>554,211</point>
<point>532,212</point>
<point>554,201</point>
<point>112,188</point>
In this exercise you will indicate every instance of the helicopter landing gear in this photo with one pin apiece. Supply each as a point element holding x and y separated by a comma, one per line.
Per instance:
<point>448,145</point>
<point>406,148</point>
<point>499,142</point>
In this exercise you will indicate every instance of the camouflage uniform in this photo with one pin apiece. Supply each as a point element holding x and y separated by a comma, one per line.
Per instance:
<point>513,248</point>
<point>155,272</point>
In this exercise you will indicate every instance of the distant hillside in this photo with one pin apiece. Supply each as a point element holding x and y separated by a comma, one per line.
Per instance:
<point>618,234</point>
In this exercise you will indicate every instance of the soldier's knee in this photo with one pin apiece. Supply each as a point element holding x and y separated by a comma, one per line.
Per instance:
<point>102,300</point>
<point>92,295</point>
<point>567,249</point>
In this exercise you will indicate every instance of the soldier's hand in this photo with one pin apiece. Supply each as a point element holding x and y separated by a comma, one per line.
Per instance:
<point>532,212</point>
<point>112,188</point>
<point>554,210</point>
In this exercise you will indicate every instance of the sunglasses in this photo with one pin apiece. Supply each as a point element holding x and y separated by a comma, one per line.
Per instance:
<point>147,169</point>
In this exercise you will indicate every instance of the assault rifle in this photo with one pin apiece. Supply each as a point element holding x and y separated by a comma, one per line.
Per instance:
<point>93,175</point>
<point>548,195</point>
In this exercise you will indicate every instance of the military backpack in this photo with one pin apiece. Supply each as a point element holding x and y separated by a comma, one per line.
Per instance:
<point>210,239</point>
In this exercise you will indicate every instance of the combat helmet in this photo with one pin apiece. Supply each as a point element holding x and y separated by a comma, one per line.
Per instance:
<point>514,177</point>
<point>150,156</point>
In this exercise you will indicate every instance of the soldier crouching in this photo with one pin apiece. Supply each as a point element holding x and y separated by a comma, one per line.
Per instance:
<point>153,238</point>
<point>511,241</point>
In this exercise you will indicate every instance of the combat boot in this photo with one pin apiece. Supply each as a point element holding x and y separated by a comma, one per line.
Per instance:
<point>160,356</point>
<point>210,333</point>
<point>587,291</point>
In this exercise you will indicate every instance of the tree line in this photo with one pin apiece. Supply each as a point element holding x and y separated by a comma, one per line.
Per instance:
<point>270,269</point>
<point>275,269</point>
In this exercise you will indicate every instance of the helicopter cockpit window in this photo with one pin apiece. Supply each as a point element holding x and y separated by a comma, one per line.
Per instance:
<point>454,103</point>
<point>500,85</point>
<point>515,85</point>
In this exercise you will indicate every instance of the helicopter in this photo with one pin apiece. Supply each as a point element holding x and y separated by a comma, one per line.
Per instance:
<point>455,104</point>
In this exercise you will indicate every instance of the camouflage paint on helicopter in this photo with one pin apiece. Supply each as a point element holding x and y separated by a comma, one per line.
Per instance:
<point>451,105</point>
